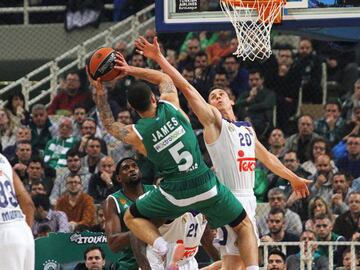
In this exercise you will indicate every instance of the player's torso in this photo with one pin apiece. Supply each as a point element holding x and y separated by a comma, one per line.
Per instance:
<point>9,207</point>
<point>233,156</point>
<point>170,142</point>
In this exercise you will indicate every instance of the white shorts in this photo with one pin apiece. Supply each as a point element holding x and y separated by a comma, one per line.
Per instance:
<point>17,246</point>
<point>226,237</point>
<point>157,263</point>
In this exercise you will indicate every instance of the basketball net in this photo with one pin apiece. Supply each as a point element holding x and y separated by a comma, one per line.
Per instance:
<point>253,20</point>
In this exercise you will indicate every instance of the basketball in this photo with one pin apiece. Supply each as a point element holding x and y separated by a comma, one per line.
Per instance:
<point>101,64</point>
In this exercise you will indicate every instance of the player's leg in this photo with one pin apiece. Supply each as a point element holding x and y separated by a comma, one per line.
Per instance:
<point>214,266</point>
<point>233,262</point>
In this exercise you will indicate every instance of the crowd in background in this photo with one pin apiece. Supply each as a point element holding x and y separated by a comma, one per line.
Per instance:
<point>67,161</point>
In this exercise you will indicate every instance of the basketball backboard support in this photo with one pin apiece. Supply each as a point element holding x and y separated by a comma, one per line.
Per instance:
<point>339,19</point>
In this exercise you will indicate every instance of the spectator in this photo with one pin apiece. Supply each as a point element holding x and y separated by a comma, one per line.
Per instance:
<point>301,142</point>
<point>323,230</point>
<point>276,226</point>
<point>55,150</point>
<point>277,143</point>
<point>310,66</point>
<point>22,158</point>
<point>77,205</point>
<point>347,224</point>
<point>331,125</point>
<point>100,220</point>
<point>87,131</point>
<point>322,179</point>
<point>352,126</point>
<point>348,259</point>
<point>220,48</point>
<point>340,192</point>
<point>220,80</point>
<point>56,220</point>
<point>65,101</point>
<point>203,73</point>
<point>351,162</point>
<point>93,155</point>
<point>36,173</point>
<point>79,116</point>
<point>121,47</point>
<point>73,167</point>
<point>276,260</point>
<point>257,104</point>
<point>23,133</point>
<point>42,129</point>
<point>238,76</point>
<point>318,147</point>
<point>187,58</point>
<point>94,258</point>
<point>103,183</point>
<point>311,257</point>
<point>16,106</point>
<point>7,129</point>
<point>37,187</point>
<point>292,220</point>
<point>352,101</point>
<point>317,206</point>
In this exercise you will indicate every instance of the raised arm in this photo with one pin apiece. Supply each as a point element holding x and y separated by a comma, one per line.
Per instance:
<point>205,112</point>
<point>299,185</point>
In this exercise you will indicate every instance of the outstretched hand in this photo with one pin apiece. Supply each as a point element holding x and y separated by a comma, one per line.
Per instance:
<point>97,84</point>
<point>147,49</point>
<point>121,65</point>
<point>300,186</point>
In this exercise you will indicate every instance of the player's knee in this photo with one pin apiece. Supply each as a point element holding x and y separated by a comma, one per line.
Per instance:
<point>244,226</point>
<point>238,220</point>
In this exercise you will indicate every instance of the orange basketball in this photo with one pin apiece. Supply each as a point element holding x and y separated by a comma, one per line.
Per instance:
<point>101,64</point>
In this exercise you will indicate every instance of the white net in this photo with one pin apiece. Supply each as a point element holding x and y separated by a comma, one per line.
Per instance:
<point>252,21</point>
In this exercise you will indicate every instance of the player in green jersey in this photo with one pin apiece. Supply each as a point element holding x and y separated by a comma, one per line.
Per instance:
<point>118,235</point>
<point>165,136</point>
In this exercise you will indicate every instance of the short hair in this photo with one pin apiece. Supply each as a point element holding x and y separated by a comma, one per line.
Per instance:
<point>255,70</point>
<point>118,166</point>
<point>275,211</point>
<point>276,251</point>
<point>276,190</point>
<point>72,153</point>
<point>201,54</point>
<point>38,107</point>
<point>79,106</point>
<point>37,159</point>
<point>41,200</point>
<point>91,248</point>
<point>323,216</point>
<point>139,96</point>
<point>22,142</point>
<point>333,101</point>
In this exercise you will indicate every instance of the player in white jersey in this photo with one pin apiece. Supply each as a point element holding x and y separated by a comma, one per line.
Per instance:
<point>188,229</point>
<point>16,239</point>
<point>239,144</point>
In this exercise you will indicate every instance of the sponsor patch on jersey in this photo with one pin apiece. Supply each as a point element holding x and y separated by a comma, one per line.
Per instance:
<point>122,201</point>
<point>231,128</point>
<point>246,164</point>
<point>169,139</point>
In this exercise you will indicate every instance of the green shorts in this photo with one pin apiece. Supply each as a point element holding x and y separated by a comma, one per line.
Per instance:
<point>204,194</point>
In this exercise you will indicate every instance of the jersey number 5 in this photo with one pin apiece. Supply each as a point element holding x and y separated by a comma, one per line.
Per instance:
<point>184,155</point>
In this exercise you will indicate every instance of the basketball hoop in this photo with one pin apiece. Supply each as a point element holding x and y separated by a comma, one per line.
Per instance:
<point>252,20</point>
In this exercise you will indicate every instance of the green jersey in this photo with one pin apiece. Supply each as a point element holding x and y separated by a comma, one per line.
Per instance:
<point>126,258</point>
<point>171,143</point>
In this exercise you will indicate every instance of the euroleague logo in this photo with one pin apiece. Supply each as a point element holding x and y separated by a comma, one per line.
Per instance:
<point>51,265</point>
<point>246,164</point>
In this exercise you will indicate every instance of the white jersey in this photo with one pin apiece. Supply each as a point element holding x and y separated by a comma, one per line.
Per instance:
<point>9,207</point>
<point>188,228</point>
<point>233,156</point>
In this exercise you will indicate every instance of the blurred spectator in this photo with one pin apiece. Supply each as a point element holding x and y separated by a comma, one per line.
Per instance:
<point>89,130</point>
<point>331,125</point>
<point>103,183</point>
<point>42,130</point>
<point>323,229</point>
<point>318,262</point>
<point>100,220</point>
<point>352,127</point>
<point>23,133</point>
<point>318,147</point>
<point>65,101</point>
<point>317,206</point>
<point>7,129</point>
<point>257,104</point>
<point>73,165</point>
<point>220,48</point>
<point>188,57</point>
<point>277,233</point>
<point>22,158</point>
<point>206,39</point>
<point>93,155</point>
<point>55,150</point>
<point>220,80</point>
<point>322,179</point>
<point>236,74</point>
<point>347,260</point>
<point>277,143</point>
<point>351,101</point>
<point>37,187</point>
<point>340,192</point>
<point>276,260</point>
<point>16,106</point>
<point>204,74</point>
<point>94,258</point>
<point>36,173</point>
<point>351,162</point>
<point>77,205</point>
<point>347,224</point>
<point>291,162</point>
<point>311,72</point>
<point>292,220</point>
<point>56,220</point>
<point>301,142</point>
<point>78,117</point>
<point>121,47</point>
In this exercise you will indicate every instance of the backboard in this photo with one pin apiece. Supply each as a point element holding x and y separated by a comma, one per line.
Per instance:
<point>339,19</point>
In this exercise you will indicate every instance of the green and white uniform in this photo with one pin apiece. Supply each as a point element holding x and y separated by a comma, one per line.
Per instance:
<point>126,258</point>
<point>188,183</point>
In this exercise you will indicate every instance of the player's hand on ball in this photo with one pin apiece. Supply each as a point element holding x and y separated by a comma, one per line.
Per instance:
<point>122,65</point>
<point>97,84</point>
<point>149,50</point>
<point>299,186</point>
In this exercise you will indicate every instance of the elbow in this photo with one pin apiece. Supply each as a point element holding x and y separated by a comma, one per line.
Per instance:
<point>112,245</point>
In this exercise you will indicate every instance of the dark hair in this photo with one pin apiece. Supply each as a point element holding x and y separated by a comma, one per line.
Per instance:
<point>79,106</point>
<point>201,54</point>
<point>91,248</point>
<point>139,96</point>
<point>254,70</point>
<point>72,153</point>
<point>276,251</point>
<point>327,148</point>
<point>323,216</point>
<point>22,142</point>
<point>274,211</point>
<point>41,200</point>
<point>16,93</point>
<point>37,159</point>
<point>118,166</point>
<point>333,101</point>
